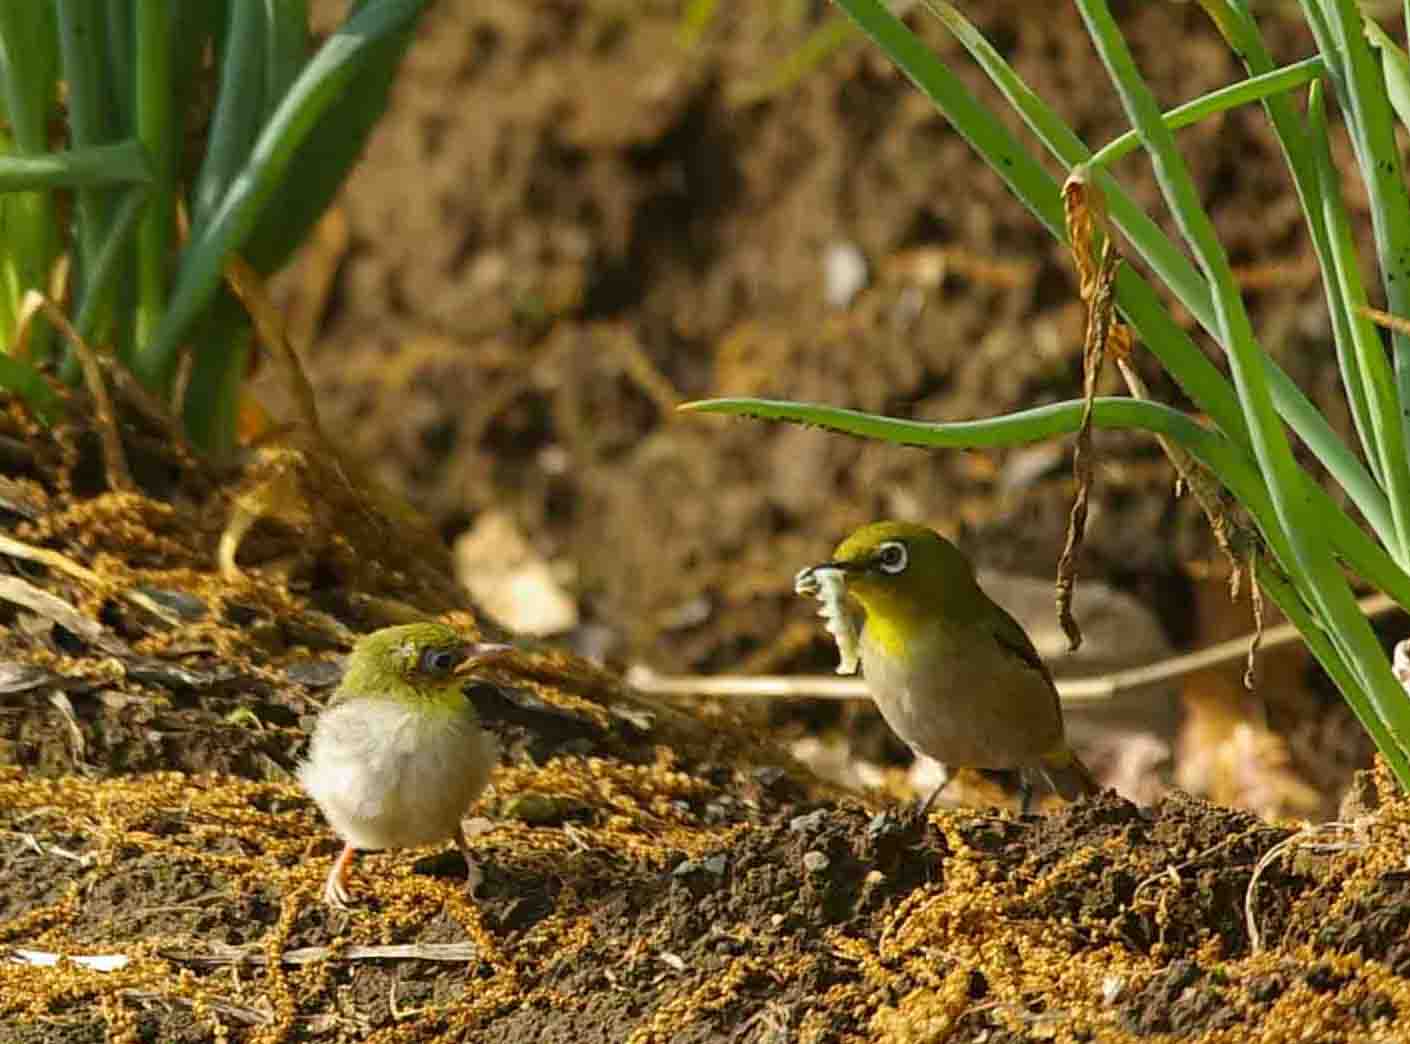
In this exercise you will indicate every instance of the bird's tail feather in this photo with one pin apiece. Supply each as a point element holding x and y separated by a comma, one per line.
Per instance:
<point>1068,776</point>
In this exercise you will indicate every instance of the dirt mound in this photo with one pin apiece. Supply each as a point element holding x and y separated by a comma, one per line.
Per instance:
<point>666,907</point>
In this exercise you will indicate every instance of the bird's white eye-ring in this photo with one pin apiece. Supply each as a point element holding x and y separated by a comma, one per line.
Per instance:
<point>892,557</point>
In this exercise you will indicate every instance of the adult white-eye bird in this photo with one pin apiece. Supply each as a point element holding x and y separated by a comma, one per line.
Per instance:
<point>953,674</point>
<point>398,755</point>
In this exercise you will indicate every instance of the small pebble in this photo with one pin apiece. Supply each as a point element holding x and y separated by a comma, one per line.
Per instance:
<point>807,824</point>
<point>815,862</point>
<point>844,273</point>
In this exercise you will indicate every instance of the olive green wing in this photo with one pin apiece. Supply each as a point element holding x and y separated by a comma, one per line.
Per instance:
<point>1011,636</point>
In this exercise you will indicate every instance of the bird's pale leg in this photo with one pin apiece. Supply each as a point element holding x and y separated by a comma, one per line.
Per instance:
<point>335,889</point>
<point>474,876</point>
<point>1025,795</point>
<point>945,776</point>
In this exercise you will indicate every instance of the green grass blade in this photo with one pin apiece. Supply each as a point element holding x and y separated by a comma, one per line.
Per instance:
<point>28,79</point>
<point>239,108</point>
<point>99,166</point>
<point>1314,570</point>
<point>1200,380</point>
<point>1226,461</point>
<point>1395,67</point>
<point>321,86</point>
<point>1367,375</point>
<point>115,250</point>
<point>1299,150</point>
<point>87,92</point>
<point>1372,128</point>
<point>287,50</point>
<point>324,159</point>
<point>1245,92</point>
<point>158,134</point>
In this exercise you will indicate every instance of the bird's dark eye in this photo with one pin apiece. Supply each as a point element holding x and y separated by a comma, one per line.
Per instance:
<point>439,661</point>
<point>891,557</point>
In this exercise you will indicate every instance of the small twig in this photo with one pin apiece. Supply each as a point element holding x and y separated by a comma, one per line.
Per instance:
<point>52,607</point>
<point>54,560</point>
<point>1301,839</point>
<point>1072,690</point>
<point>114,456</point>
<point>249,1016</point>
<point>220,954</point>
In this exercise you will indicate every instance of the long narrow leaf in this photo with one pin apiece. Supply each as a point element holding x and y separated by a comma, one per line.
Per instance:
<point>105,166</point>
<point>1225,461</point>
<point>1367,375</point>
<point>362,39</point>
<point>28,77</point>
<point>1245,92</point>
<point>239,108</point>
<point>1175,270</point>
<point>1317,573</point>
<point>1373,134</point>
<point>155,118</point>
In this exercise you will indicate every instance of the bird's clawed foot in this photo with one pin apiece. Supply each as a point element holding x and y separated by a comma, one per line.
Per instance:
<point>335,888</point>
<point>474,876</point>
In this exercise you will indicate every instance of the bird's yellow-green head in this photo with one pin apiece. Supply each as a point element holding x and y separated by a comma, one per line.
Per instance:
<point>903,574</point>
<point>413,663</point>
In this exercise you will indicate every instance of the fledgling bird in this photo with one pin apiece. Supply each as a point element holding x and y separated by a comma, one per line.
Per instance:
<point>954,675</point>
<point>398,754</point>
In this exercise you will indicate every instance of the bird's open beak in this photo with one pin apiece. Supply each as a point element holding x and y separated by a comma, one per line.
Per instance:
<point>477,653</point>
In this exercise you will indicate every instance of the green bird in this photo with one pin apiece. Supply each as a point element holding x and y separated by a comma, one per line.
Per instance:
<point>398,754</point>
<point>953,674</point>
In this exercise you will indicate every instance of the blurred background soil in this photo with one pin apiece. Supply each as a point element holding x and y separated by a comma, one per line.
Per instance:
<point>577,215</point>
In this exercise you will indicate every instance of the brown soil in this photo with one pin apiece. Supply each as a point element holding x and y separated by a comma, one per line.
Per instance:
<point>569,222</point>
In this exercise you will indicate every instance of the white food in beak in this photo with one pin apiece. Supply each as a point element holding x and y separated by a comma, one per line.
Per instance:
<point>829,586</point>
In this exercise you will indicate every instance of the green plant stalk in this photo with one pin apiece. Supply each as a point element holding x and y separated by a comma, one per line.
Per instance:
<point>118,35</point>
<point>1395,70</point>
<point>95,302</point>
<point>1299,150</point>
<point>313,93</point>
<point>1285,597</point>
<point>98,166</point>
<point>80,30</point>
<point>28,68</point>
<point>1175,270</point>
<point>158,135</point>
<point>287,49</point>
<point>116,248</point>
<point>1372,128</point>
<point>213,394</point>
<point>1037,190</point>
<point>1312,566</point>
<point>1214,397</point>
<point>239,108</point>
<point>1255,88</point>
<point>1367,375</point>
